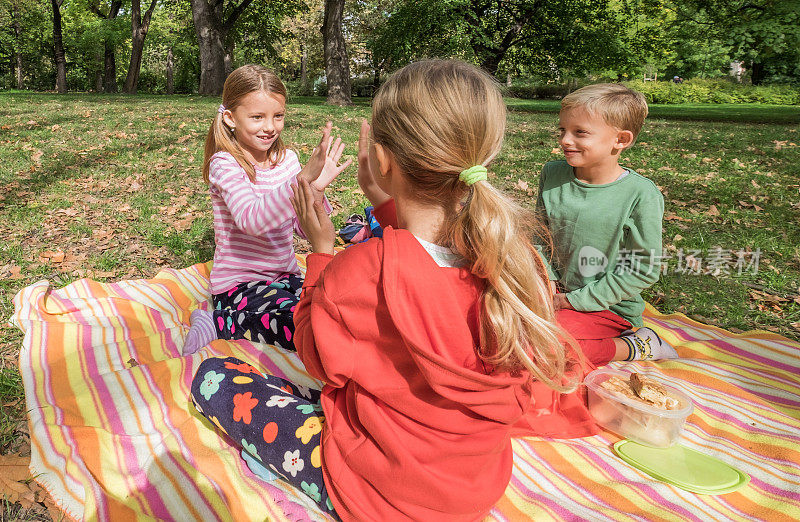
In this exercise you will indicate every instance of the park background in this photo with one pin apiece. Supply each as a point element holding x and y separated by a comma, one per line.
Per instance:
<point>104,107</point>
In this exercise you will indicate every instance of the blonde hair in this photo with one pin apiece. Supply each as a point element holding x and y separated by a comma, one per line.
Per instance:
<point>618,105</point>
<point>440,117</point>
<point>240,83</point>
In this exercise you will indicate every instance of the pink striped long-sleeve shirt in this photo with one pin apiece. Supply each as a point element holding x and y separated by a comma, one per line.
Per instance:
<point>253,222</point>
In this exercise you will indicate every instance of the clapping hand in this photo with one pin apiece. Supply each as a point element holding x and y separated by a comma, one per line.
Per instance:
<point>366,178</point>
<point>323,165</point>
<point>313,219</point>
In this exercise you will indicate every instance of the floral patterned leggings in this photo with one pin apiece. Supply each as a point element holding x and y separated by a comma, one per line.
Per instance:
<point>276,424</point>
<point>260,311</point>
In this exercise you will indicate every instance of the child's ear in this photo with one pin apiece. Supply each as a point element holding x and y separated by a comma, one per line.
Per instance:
<point>384,157</point>
<point>227,118</point>
<point>624,139</point>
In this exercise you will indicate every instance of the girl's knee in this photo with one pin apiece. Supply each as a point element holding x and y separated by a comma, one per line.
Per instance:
<point>208,378</point>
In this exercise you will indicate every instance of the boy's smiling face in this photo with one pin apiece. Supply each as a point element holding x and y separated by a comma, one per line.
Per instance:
<point>588,141</point>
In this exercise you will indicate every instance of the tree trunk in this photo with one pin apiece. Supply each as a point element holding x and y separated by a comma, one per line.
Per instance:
<point>212,50</point>
<point>110,60</point>
<point>376,79</point>
<point>19,71</point>
<point>58,48</point>
<point>228,61</point>
<point>109,69</point>
<point>170,72</point>
<point>98,74</point>
<point>139,28</point>
<point>303,69</point>
<point>17,44</point>
<point>211,29</point>
<point>491,60</point>
<point>757,73</point>
<point>337,66</point>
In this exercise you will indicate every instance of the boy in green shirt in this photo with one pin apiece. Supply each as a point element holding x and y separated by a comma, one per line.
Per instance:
<point>605,222</point>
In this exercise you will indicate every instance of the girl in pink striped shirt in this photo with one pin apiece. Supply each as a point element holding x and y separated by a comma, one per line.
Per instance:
<point>255,280</point>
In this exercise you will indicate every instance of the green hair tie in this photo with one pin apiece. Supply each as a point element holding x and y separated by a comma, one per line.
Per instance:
<point>473,174</point>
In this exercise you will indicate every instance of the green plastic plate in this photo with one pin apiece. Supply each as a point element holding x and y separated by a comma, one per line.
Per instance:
<point>683,467</point>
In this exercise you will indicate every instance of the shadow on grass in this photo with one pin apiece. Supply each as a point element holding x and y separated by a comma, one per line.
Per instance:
<point>726,112</point>
<point>57,169</point>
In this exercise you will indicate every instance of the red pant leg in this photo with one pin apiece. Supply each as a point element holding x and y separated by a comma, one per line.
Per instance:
<point>594,332</point>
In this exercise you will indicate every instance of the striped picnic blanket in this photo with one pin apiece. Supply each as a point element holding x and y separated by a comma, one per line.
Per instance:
<point>114,436</point>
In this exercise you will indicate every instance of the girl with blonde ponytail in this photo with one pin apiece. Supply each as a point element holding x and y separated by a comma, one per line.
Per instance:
<point>255,280</point>
<point>435,341</point>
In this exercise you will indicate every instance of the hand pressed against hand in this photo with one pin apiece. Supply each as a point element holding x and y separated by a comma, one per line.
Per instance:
<point>366,178</point>
<point>313,219</point>
<point>323,165</point>
<point>317,159</point>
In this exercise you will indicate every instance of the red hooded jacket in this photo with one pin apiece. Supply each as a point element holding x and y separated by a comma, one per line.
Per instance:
<point>417,426</point>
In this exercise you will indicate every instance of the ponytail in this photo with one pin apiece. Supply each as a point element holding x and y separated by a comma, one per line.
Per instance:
<point>518,327</point>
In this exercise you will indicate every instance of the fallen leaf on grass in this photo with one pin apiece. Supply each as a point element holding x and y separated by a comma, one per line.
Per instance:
<point>15,481</point>
<point>767,297</point>
<point>796,326</point>
<point>183,224</point>
<point>712,211</point>
<point>52,257</point>
<point>521,185</point>
<point>558,151</point>
<point>693,263</point>
<point>669,216</point>
<point>12,272</point>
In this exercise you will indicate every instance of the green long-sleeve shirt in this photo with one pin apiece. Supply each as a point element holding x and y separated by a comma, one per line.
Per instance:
<point>606,238</point>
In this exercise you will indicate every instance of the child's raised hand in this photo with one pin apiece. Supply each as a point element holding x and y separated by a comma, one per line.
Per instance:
<point>331,168</point>
<point>313,219</point>
<point>317,160</point>
<point>323,165</point>
<point>366,178</point>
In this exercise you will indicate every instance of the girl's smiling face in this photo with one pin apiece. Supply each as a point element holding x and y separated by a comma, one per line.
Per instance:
<point>258,122</point>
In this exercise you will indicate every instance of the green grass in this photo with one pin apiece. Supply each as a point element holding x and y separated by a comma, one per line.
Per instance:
<point>114,182</point>
<point>745,112</point>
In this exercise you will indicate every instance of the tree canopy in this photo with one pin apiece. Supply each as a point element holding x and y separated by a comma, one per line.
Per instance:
<point>191,45</point>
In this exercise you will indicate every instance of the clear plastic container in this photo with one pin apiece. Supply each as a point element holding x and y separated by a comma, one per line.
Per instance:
<point>633,419</point>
